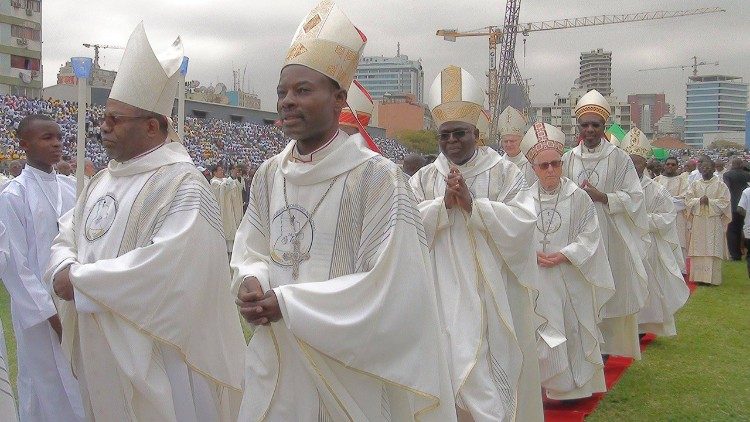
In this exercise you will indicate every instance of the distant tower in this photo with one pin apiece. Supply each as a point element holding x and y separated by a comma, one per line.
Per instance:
<point>596,71</point>
<point>398,49</point>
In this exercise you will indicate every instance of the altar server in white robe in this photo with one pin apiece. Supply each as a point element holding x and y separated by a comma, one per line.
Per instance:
<point>667,289</point>
<point>708,208</point>
<point>677,184</point>
<point>512,126</point>
<point>479,218</point>
<point>152,329</point>
<point>573,267</point>
<point>30,207</point>
<point>329,263</point>
<point>228,193</point>
<point>7,400</point>
<point>608,176</point>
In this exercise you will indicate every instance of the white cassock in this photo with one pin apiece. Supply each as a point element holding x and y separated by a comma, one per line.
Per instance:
<point>359,337</point>
<point>485,271</point>
<point>228,193</point>
<point>7,400</point>
<point>573,369</point>
<point>707,244</point>
<point>29,208</point>
<point>667,289</point>
<point>624,226</point>
<point>3,181</point>
<point>153,332</point>
<point>677,187</point>
<point>524,165</point>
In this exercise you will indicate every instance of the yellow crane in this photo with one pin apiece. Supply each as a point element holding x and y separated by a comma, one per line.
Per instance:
<point>495,34</point>
<point>694,65</point>
<point>96,48</point>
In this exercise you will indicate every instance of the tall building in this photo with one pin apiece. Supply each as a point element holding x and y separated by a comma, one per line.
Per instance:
<point>715,103</point>
<point>21,47</point>
<point>596,71</point>
<point>561,113</point>
<point>646,110</point>
<point>391,75</point>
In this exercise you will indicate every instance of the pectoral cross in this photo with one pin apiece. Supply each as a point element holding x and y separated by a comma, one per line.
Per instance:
<point>544,243</point>
<point>296,256</point>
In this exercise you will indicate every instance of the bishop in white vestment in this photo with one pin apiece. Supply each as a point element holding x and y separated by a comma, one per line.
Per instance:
<point>708,209</point>
<point>573,268</point>
<point>228,193</point>
<point>30,207</point>
<point>667,289</point>
<point>483,261</point>
<point>151,327</point>
<point>331,244</point>
<point>608,175</point>
<point>7,400</point>
<point>677,184</point>
<point>512,126</point>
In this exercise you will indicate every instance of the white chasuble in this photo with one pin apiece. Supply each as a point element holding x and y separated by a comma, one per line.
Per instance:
<point>7,400</point>
<point>30,207</point>
<point>228,193</point>
<point>623,225</point>
<point>485,271</point>
<point>525,166</point>
<point>677,187</point>
<point>153,333</point>
<point>707,243</point>
<point>667,289</point>
<point>337,236</point>
<point>568,217</point>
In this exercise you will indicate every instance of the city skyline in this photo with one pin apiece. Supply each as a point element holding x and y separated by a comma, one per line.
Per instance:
<point>257,36</point>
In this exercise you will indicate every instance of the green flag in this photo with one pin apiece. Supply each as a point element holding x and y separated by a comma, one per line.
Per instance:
<point>617,131</point>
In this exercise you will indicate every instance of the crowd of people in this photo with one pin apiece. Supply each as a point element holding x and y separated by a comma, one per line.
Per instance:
<point>466,286</point>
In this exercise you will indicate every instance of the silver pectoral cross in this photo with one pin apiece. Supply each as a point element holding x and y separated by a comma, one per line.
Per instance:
<point>296,256</point>
<point>544,243</point>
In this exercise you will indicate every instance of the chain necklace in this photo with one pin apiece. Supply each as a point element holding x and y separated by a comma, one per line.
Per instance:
<point>547,231</point>
<point>296,255</point>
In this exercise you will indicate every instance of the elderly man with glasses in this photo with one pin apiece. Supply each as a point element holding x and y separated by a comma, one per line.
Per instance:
<point>607,174</point>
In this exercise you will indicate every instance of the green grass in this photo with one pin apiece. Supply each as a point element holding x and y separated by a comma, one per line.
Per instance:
<point>703,374</point>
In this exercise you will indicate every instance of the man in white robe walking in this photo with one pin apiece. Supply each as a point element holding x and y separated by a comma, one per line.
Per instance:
<point>30,207</point>
<point>667,289</point>
<point>573,268</point>
<point>606,173</point>
<point>677,184</point>
<point>228,193</point>
<point>152,330</point>
<point>329,263</point>
<point>479,219</point>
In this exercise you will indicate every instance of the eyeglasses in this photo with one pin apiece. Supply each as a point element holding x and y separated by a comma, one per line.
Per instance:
<point>555,164</point>
<point>595,125</point>
<point>457,134</point>
<point>114,119</point>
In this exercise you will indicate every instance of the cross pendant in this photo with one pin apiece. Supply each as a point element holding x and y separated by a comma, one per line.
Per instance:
<point>296,256</point>
<point>544,243</point>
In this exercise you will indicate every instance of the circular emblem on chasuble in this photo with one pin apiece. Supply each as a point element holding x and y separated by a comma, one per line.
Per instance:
<point>548,221</point>
<point>100,218</point>
<point>588,174</point>
<point>294,237</point>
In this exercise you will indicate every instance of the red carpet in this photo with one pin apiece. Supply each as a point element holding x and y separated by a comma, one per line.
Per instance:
<point>614,369</point>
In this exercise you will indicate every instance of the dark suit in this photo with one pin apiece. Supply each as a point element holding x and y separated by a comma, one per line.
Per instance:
<point>736,180</point>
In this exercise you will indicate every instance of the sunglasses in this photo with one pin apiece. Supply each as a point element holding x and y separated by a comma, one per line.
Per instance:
<point>595,125</point>
<point>457,134</point>
<point>555,164</point>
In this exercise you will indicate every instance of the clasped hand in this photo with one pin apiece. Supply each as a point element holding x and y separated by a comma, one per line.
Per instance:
<point>550,260</point>
<point>456,191</point>
<point>256,307</point>
<point>595,194</point>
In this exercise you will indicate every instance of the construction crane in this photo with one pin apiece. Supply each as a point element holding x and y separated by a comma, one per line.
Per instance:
<point>695,65</point>
<point>497,82</point>
<point>96,48</point>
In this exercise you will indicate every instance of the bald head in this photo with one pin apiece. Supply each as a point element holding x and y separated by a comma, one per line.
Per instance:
<point>414,162</point>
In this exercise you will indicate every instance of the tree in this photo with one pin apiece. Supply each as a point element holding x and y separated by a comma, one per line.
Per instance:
<point>422,141</point>
<point>724,144</point>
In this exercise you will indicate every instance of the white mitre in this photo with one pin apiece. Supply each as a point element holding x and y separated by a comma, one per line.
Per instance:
<point>455,96</point>
<point>635,142</point>
<point>511,122</point>
<point>540,137</point>
<point>147,80</point>
<point>593,102</point>
<point>326,41</point>
<point>359,106</point>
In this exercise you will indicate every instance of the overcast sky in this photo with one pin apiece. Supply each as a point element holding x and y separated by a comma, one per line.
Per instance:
<point>229,34</point>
